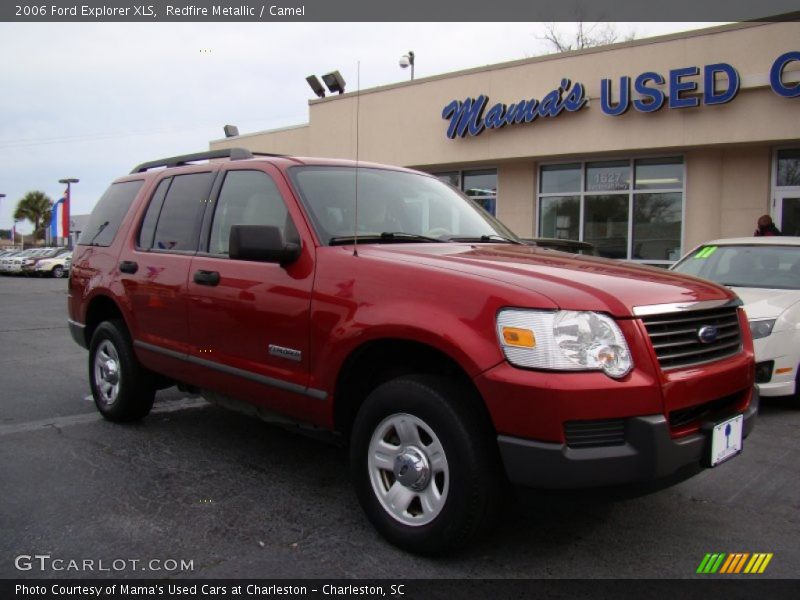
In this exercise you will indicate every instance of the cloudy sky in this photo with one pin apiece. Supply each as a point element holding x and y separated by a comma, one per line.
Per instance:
<point>91,100</point>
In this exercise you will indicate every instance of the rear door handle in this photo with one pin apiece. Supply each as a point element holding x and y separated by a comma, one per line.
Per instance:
<point>128,266</point>
<point>206,278</point>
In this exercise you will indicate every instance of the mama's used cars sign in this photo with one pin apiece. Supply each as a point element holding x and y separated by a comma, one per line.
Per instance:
<point>467,117</point>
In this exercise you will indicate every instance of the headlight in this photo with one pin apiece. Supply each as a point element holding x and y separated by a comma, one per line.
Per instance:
<point>564,340</point>
<point>761,329</point>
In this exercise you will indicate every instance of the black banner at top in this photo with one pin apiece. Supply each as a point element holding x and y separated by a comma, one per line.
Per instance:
<point>392,11</point>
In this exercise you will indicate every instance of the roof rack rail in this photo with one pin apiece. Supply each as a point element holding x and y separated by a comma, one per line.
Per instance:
<point>184,159</point>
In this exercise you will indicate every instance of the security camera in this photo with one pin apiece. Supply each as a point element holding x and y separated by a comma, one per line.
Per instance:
<point>404,61</point>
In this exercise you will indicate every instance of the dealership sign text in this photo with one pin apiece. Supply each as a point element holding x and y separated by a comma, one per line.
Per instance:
<point>648,92</point>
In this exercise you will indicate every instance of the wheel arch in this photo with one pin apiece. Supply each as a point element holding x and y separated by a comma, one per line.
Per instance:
<point>380,360</point>
<point>101,308</point>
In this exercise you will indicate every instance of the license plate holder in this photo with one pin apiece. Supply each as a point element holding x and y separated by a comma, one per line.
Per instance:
<point>726,440</point>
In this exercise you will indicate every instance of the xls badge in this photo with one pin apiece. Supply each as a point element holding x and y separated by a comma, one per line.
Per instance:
<point>282,352</point>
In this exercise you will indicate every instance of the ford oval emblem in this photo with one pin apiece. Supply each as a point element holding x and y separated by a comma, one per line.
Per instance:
<point>707,334</point>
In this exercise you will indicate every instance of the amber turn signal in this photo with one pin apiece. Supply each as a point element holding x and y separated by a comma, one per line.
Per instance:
<point>522,338</point>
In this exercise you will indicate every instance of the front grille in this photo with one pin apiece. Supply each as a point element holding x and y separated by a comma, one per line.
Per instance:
<point>675,336</point>
<point>687,416</point>
<point>593,434</point>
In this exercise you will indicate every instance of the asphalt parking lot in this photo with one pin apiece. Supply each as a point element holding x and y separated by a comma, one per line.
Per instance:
<point>240,498</point>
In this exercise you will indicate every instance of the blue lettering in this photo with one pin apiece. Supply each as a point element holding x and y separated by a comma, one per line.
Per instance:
<point>511,111</point>
<point>465,116</point>
<point>550,104</point>
<point>656,96</point>
<point>676,86</point>
<point>576,98</point>
<point>710,93</point>
<point>776,76</point>
<point>624,97</point>
<point>494,118</point>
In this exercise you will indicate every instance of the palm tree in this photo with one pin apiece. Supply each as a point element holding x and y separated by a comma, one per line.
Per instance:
<point>37,208</point>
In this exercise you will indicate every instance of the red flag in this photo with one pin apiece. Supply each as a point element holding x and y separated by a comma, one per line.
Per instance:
<point>65,215</point>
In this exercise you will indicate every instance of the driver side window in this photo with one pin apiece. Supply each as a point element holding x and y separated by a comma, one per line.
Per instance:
<point>247,198</point>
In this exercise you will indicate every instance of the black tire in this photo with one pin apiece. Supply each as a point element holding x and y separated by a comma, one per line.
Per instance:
<point>57,272</point>
<point>471,488</point>
<point>131,397</point>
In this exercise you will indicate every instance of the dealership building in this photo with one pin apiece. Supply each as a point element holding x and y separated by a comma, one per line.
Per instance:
<point>644,148</point>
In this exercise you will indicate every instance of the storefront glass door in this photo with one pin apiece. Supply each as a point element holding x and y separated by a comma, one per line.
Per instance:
<point>787,212</point>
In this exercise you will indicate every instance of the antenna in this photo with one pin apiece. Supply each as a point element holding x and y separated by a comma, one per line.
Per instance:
<point>358,118</point>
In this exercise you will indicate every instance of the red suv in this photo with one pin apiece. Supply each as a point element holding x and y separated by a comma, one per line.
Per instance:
<point>381,304</point>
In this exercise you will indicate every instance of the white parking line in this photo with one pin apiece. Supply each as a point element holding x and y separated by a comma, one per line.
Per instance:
<point>60,422</point>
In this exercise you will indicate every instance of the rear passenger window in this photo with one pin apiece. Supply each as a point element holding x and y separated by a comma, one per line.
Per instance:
<point>148,230</point>
<point>109,212</point>
<point>247,198</point>
<point>178,223</point>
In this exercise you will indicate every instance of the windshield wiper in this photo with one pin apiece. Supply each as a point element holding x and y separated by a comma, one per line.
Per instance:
<point>97,233</point>
<point>494,237</point>
<point>386,236</point>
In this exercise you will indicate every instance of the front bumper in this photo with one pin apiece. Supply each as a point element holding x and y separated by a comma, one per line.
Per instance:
<point>649,453</point>
<point>78,333</point>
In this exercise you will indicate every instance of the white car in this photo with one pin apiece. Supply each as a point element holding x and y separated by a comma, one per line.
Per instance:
<point>765,273</point>
<point>56,266</point>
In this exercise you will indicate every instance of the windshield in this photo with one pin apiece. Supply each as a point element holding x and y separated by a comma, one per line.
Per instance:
<point>410,206</point>
<point>776,267</point>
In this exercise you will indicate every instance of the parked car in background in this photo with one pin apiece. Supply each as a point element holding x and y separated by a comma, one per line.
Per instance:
<point>53,266</point>
<point>765,273</point>
<point>29,263</point>
<point>571,246</point>
<point>12,265</point>
<point>5,260</point>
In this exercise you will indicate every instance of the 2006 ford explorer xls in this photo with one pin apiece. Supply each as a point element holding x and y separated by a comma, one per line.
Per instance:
<point>380,303</point>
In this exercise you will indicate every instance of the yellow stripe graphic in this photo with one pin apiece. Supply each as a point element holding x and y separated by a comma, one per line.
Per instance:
<point>766,562</point>
<point>751,564</point>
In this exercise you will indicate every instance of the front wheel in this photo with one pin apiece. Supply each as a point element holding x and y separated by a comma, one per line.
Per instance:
<point>425,464</point>
<point>57,272</point>
<point>122,389</point>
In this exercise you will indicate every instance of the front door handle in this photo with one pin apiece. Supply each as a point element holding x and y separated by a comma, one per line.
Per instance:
<point>128,266</point>
<point>206,278</point>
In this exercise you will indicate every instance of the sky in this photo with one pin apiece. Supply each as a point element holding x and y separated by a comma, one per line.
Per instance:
<point>92,100</point>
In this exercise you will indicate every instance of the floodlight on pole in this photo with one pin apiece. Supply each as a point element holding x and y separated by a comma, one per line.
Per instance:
<point>334,82</point>
<point>316,86</point>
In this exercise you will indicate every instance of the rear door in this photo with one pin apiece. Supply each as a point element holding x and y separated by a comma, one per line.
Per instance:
<point>249,321</point>
<point>155,270</point>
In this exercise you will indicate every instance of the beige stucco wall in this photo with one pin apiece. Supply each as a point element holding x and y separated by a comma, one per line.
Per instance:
<point>745,189</point>
<point>516,186</point>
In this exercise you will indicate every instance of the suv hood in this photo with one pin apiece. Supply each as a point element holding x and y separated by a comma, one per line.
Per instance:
<point>571,282</point>
<point>760,303</point>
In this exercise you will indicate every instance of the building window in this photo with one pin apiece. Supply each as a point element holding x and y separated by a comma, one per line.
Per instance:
<point>789,168</point>
<point>480,186</point>
<point>629,209</point>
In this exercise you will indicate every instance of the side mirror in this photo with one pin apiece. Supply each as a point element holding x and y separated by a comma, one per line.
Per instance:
<point>261,243</point>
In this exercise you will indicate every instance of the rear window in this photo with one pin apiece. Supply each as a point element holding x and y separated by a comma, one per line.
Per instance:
<point>109,212</point>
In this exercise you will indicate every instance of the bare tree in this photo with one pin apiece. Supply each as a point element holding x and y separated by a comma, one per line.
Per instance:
<point>586,35</point>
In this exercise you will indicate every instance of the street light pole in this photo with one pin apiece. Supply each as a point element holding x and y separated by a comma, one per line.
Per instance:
<point>65,218</point>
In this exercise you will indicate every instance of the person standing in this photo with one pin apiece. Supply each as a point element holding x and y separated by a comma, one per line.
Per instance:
<point>766,227</point>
